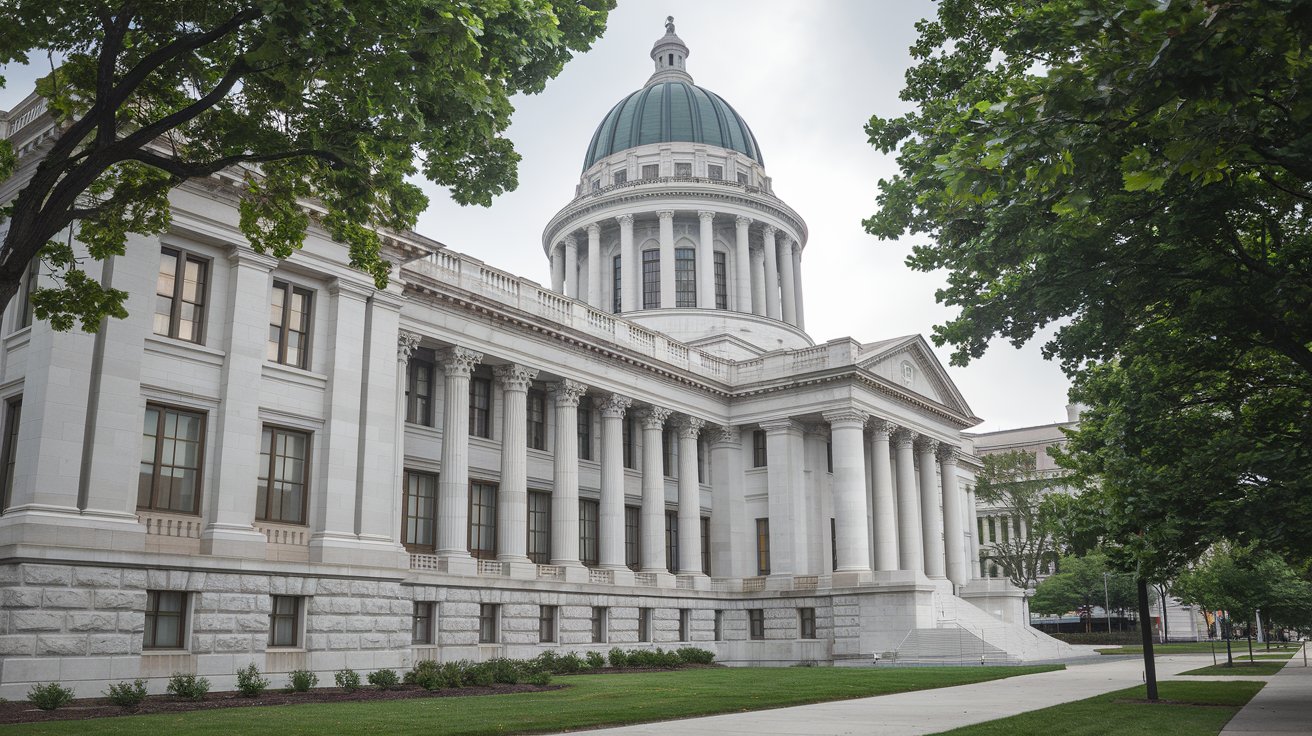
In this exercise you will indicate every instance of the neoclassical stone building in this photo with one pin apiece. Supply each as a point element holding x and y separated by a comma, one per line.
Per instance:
<point>272,461</point>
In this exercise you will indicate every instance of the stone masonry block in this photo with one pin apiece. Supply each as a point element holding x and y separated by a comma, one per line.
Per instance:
<point>47,574</point>
<point>62,646</point>
<point>251,622</point>
<point>97,577</point>
<point>18,645</point>
<point>92,621</point>
<point>358,623</point>
<point>62,598</point>
<point>132,621</point>
<point>36,621</point>
<point>232,643</point>
<point>236,602</point>
<point>334,604</point>
<point>324,622</point>
<point>134,579</point>
<point>130,599</point>
<point>110,644</point>
<point>373,640</point>
<point>376,606</point>
<point>213,622</point>
<point>255,584</point>
<point>20,598</point>
<point>333,586</point>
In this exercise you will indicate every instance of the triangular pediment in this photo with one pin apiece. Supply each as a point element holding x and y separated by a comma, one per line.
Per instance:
<point>908,362</point>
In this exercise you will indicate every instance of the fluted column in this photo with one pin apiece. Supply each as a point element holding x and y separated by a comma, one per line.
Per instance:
<point>771,274</point>
<point>786,279</point>
<point>690,515</point>
<point>453,486</point>
<point>630,267</point>
<point>886,547</point>
<point>611,527</point>
<point>512,497</point>
<point>797,285</point>
<point>558,268</point>
<point>706,261</point>
<point>594,266</point>
<point>972,517</point>
<point>786,499</point>
<point>852,545</point>
<point>911,553</point>
<point>651,523</point>
<point>931,515</point>
<point>667,257</point>
<point>565,476</point>
<point>742,260</point>
<point>571,267</point>
<point>758,281</point>
<point>953,535</point>
<point>406,345</point>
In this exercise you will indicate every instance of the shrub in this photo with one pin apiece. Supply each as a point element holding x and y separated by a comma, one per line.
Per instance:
<point>127,694</point>
<point>249,682</point>
<point>300,681</point>
<point>506,671</point>
<point>694,655</point>
<point>347,679</point>
<point>384,679</point>
<point>595,660</point>
<point>539,678</point>
<point>190,687</point>
<point>49,696</point>
<point>618,658</point>
<point>426,673</point>
<point>547,661</point>
<point>478,675</point>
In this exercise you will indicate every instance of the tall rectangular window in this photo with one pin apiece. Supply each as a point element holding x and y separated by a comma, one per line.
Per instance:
<point>701,461</point>
<point>717,630</point>
<point>759,457</point>
<point>421,629</point>
<point>714,171</point>
<point>536,411</point>
<point>806,622</point>
<point>651,171</point>
<point>13,415</point>
<point>589,519</point>
<point>1006,530</point>
<point>833,543</point>
<point>644,624</point>
<point>669,453</point>
<point>706,545</point>
<point>685,277</point>
<point>180,295</point>
<point>546,624</point>
<point>166,620</point>
<point>171,448</point>
<point>829,457</point>
<point>285,621</point>
<point>585,431</point>
<point>598,624</point>
<point>25,308</point>
<point>539,527</point>
<point>762,546</point>
<point>992,530</point>
<point>630,452</point>
<point>419,527</point>
<point>289,325</point>
<point>979,527</point>
<point>685,624</point>
<point>721,281</point>
<point>756,623</point>
<point>419,388</point>
<point>672,541</point>
<point>480,407</point>
<point>616,284</point>
<point>284,475</point>
<point>483,520</point>
<point>632,514</point>
<point>651,279</point>
<point>488,623</point>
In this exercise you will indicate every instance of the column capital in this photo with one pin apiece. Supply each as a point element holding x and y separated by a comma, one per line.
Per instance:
<point>846,416</point>
<point>458,361</point>
<point>742,221</point>
<point>349,289</point>
<point>406,345</point>
<point>653,417</point>
<point>786,244</point>
<point>926,445</point>
<point>705,215</point>
<point>725,435</point>
<point>774,426</point>
<point>250,258</point>
<point>948,454</point>
<point>594,229</point>
<point>568,392</point>
<point>882,429</point>
<point>613,406</point>
<point>665,214</point>
<point>769,231</point>
<point>902,438</point>
<point>624,220</point>
<point>514,377</point>
<point>689,427</point>
<point>569,241</point>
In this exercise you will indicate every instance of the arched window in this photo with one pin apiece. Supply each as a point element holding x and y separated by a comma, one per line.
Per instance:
<point>685,277</point>
<point>651,279</point>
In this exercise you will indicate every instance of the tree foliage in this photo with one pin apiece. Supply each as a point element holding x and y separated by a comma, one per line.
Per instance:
<point>333,102</point>
<point>1241,580</point>
<point>1011,481</point>
<point>1078,586</point>
<point>1136,174</point>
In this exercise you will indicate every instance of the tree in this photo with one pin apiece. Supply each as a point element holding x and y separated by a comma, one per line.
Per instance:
<point>335,102</point>
<point>1241,580</point>
<point>1010,480</point>
<point>1137,174</point>
<point>1078,585</point>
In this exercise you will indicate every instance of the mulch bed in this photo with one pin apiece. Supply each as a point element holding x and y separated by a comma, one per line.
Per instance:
<point>83,708</point>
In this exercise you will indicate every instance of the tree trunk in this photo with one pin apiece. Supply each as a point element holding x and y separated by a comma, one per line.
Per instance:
<point>1146,635</point>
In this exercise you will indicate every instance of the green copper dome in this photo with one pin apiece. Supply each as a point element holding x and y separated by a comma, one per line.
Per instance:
<point>668,111</point>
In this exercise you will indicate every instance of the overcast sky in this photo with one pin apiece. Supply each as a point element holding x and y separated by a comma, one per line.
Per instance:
<point>805,76</point>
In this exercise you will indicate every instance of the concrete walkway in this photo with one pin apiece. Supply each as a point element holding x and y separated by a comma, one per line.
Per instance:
<point>1283,706</point>
<point>926,711</point>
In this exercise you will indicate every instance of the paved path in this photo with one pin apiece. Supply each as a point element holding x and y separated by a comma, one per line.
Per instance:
<point>925,711</point>
<point>1283,706</point>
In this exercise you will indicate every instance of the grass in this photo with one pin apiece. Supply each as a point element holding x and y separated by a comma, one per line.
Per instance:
<point>1199,647</point>
<point>589,701</point>
<point>1241,669</point>
<point>1193,709</point>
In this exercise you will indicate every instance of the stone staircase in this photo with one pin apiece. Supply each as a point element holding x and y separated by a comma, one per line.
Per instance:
<point>966,635</point>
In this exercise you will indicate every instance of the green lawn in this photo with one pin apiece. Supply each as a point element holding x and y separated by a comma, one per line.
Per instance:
<point>1241,669</point>
<point>1200,647</point>
<point>589,701</point>
<point>1200,709</point>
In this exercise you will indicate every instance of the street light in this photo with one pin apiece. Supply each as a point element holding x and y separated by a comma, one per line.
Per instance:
<point>1106,603</point>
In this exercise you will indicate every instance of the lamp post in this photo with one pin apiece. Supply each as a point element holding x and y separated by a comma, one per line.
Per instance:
<point>1106,603</point>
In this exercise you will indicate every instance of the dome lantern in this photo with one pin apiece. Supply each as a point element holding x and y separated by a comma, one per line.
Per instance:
<point>670,54</point>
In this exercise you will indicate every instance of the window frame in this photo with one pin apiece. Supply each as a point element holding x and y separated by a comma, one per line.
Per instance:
<point>583,420</point>
<point>548,621</point>
<point>685,624</point>
<point>717,625</point>
<point>651,278</point>
<point>489,623</point>
<point>645,619</point>
<point>535,555</point>
<point>705,531</point>
<point>157,463</point>
<point>421,623</point>
<point>760,450</point>
<point>720,263</point>
<point>535,419</point>
<point>669,453</point>
<point>672,541</point>
<point>26,311</point>
<point>589,532</point>
<point>9,449</point>
<point>407,516</point>
<point>632,536</point>
<point>683,169</point>
<point>806,623</point>
<point>597,621</point>
<point>419,406</point>
<point>685,278</point>
<point>294,616</point>
<point>289,291</point>
<point>763,546</point>
<point>482,532</point>
<point>176,298</point>
<point>150,635</point>
<point>653,169</point>
<point>628,433</point>
<point>756,624</point>
<point>715,171</point>
<point>617,284</point>
<point>480,417</point>
<point>275,430</point>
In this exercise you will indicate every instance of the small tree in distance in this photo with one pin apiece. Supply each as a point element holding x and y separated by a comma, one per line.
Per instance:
<point>1079,586</point>
<point>1011,481</point>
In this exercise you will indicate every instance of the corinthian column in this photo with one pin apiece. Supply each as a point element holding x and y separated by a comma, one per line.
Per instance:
<point>851,543</point>
<point>931,515</point>
<point>797,285</point>
<point>571,267</point>
<point>885,504</point>
<point>706,261</point>
<point>787,280</point>
<point>911,552</point>
<point>758,281</point>
<point>512,497</point>
<point>667,257</point>
<point>652,519</point>
<point>690,515</point>
<point>453,486</point>
<point>558,268</point>
<point>771,274</point>
<point>565,486</point>
<point>612,408</point>
<point>953,536</point>
<point>742,262</point>
<point>630,267</point>
<point>594,266</point>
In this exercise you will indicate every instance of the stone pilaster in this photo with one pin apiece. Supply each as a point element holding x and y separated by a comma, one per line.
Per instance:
<point>690,507</point>
<point>885,505</point>
<point>706,261</point>
<point>742,261</point>
<point>847,433</point>
<point>771,274</point>
<point>565,486</point>
<point>911,552</point>
<point>453,484</point>
<point>931,513</point>
<point>953,536</point>
<point>651,525</point>
<point>667,257</point>
<point>512,496</point>
<point>611,509</point>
